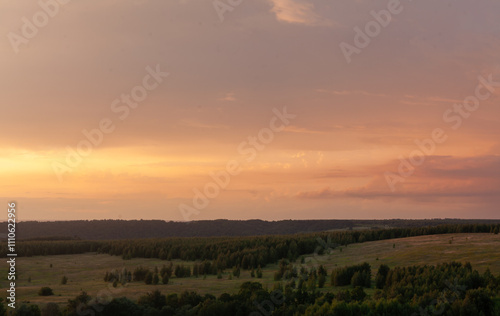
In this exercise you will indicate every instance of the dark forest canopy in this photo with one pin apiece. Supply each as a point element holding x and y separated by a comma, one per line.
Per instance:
<point>226,252</point>
<point>124,229</point>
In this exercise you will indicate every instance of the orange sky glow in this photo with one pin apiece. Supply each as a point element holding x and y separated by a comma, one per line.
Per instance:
<point>132,109</point>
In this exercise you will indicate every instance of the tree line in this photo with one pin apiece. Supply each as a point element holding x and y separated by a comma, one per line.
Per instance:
<point>133,229</point>
<point>245,252</point>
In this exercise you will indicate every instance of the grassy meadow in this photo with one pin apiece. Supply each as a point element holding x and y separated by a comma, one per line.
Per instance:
<point>86,271</point>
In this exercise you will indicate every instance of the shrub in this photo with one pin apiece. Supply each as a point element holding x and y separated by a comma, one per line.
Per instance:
<point>149,278</point>
<point>140,273</point>
<point>259,272</point>
<point>45,291</point>
<point>236,271</point>
<point>156,279</point>
<point>164,278</point>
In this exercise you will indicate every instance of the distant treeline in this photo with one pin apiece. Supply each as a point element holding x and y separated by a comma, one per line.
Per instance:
<point>122,229</point>
<point>245,252</point>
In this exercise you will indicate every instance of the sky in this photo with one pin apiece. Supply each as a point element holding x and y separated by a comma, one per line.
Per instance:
<point>237,109</point>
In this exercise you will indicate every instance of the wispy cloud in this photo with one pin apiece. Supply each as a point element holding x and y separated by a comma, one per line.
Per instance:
<point>197,124</point>
<point>351,92</point>
<point>297,12</point>
<point>442,177</point>
<point>296,129</point>
<point>228,97</point>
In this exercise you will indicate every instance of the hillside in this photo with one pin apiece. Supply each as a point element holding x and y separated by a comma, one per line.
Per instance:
<point>478,249</point>
<point>123,229</point>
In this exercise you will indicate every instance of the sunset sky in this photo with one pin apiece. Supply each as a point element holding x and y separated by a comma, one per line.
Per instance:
<point>227,78</point>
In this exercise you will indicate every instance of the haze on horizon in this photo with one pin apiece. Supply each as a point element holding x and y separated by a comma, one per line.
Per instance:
<point>353,121</point>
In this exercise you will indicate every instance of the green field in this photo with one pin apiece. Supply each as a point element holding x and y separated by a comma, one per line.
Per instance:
<point>86,271</point>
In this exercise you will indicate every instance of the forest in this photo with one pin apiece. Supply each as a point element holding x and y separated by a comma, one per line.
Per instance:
<point>446,289</point>
<point>134,229</point>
